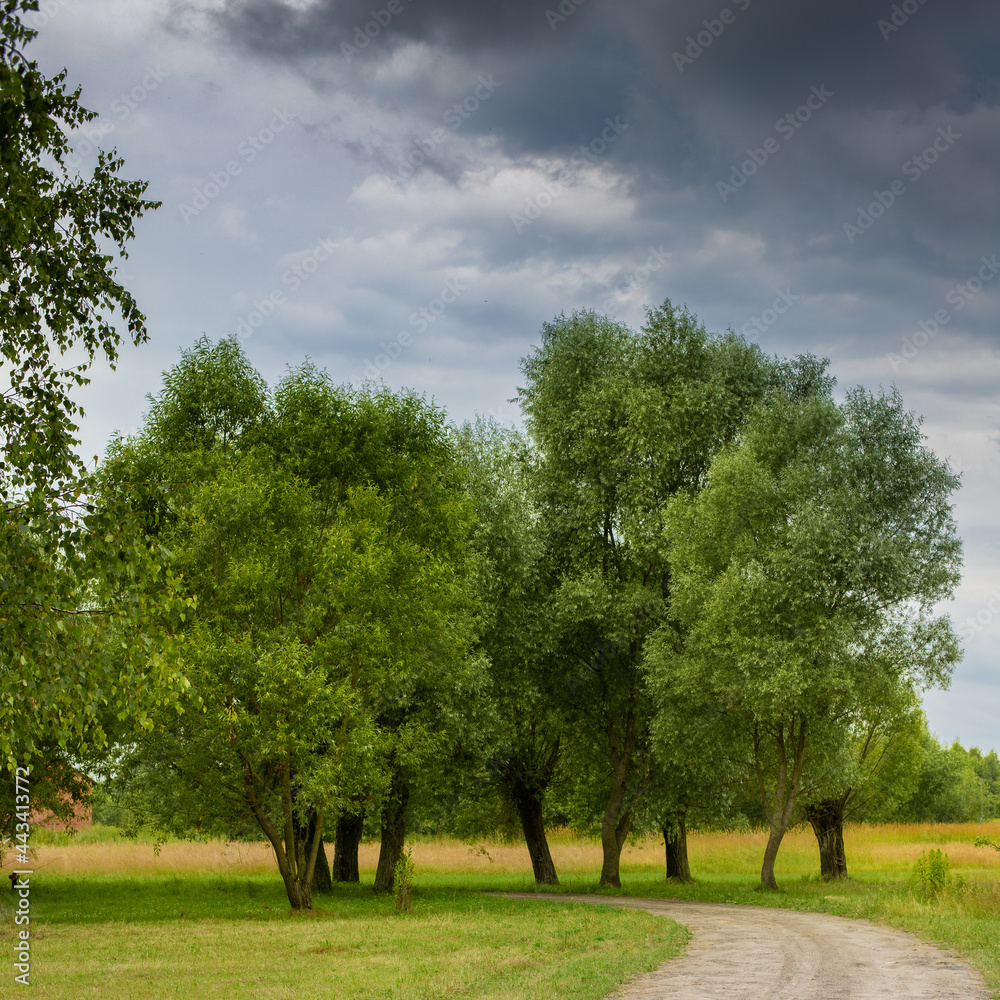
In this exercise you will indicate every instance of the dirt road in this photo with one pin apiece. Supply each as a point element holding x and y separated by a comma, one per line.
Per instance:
<point>755,953</point>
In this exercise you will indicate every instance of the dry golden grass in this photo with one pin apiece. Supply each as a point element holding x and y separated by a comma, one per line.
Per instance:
<point>175,858</point>
<point>886,848</point>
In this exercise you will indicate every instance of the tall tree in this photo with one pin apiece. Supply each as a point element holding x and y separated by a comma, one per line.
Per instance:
<point>622,422</point>
<point>324,592</point>
<point>525,741</point>
<point>806,571</point>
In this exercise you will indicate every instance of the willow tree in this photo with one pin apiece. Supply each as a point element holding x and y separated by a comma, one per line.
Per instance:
<point>525,739</point>
<point>622,422</point>
<point>320,600</point>
<point>806,571</point>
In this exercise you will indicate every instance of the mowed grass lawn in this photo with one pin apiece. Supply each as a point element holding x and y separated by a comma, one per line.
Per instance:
<point>222,936</point>
<point>116,920</point>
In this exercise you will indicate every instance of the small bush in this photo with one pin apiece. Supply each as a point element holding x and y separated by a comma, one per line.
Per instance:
<point>931,874</point>
<point>402,882</point>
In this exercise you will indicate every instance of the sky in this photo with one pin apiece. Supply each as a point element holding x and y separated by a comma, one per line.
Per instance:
<point>409,189</point>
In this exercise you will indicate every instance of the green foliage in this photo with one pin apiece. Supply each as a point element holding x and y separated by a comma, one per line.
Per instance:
<point>805,572</point>
<point>324,536</point>
<point>931,876</point>
<point>402,882</point>
<point>948,784</point>
<point>622,422</point>
<point>83,653</point>
<point>987,842</point>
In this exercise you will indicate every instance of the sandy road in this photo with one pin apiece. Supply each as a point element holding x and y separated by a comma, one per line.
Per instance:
<point>755,953</point>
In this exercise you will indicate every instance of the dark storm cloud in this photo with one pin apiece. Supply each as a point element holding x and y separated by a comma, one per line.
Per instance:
<point>274,28</point>
<point>755,57</point>
<point>563,71</point>
<point>840,97</point>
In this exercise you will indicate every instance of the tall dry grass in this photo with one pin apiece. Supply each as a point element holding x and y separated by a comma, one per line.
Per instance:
<point>891,847</point>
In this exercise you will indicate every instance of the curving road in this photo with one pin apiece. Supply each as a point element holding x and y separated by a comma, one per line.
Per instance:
<point>756,953</point>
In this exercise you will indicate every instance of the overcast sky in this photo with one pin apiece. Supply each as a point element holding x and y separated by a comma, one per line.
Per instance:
<point>411,188</point>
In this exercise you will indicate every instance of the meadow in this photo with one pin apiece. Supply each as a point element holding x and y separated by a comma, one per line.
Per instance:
<point>121,919</point>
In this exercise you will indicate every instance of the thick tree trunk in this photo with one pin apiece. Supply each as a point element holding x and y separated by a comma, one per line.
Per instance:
<point>322,882</point>
<point>675,839</point>
<point>393,833</point>
<point>524,773</point>
<point>529,808</point>
<point>614,829</point>
<point>345,851</point>
<point>827,821</point>
<point>617,819</point>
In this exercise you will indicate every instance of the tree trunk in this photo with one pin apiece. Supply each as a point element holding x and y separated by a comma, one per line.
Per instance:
<point>614,829</point>
<point>827,821</point>
<point>767,879</point>
<point>296,848</point>
<point>675,839</point>
<point>780,806</point>
<point>345,851</point>
<point>529,808</point>
<point>393,833</point>
<point>304,834</point>
<point>322,882</point>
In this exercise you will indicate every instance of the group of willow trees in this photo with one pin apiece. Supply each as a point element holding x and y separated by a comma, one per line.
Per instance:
<point>694,573</point>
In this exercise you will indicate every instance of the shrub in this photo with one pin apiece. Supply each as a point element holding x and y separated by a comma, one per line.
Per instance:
<point>402,882</point>
<point>931,874</point>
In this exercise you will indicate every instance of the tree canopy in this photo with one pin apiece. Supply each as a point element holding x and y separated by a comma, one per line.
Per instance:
<point>806,571</point>
<point>321,535</point>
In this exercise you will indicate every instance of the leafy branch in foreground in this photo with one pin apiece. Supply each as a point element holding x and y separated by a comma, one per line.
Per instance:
<point>82,650</point>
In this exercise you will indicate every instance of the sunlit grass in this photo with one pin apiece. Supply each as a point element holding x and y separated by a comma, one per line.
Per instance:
<point>119,918</point>
<point>209,936</point>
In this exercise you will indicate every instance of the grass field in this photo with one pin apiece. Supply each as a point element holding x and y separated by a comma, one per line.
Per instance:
<point>112,918</point>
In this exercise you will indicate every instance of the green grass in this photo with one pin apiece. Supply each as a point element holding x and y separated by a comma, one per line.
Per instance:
<point>212,920</point>
<point>209,936</point>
